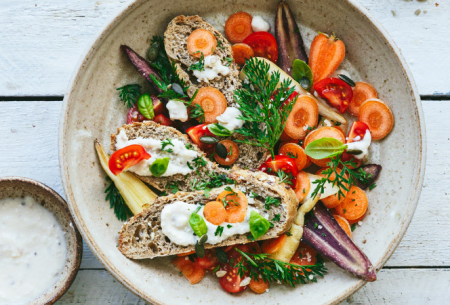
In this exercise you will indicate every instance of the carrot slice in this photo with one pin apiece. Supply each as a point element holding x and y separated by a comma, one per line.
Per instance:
<point>273,245</point>
<point>324,132</point>
<point>241,52</point>
<point>201,41</point>
<point>304,255</point>
<point>285,137</point>
<point>354,205</point>
<point>344,224</point>
<point>303,117</point>
<point>215,212</point>
<point>258,286</point>
<point>189,269</point>
<point>212,101</point>
<point>361,92</point>
<point>296,152</point>
<point>357,220</point>
<point>325,56</point>
<point>236,205</point>
<point>303,185</point>
<point>238,26</point>
<point>232,153</point>
<point>186,254</point>
<point>378,116</point>
<point>333,200</point>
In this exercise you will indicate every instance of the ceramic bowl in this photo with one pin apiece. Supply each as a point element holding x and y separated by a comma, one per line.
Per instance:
<point>92,110</point>
<point>49,199</point>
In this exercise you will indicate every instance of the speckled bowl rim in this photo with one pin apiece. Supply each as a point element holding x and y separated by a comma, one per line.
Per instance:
<point>67,213</point>
<point>90,51</point>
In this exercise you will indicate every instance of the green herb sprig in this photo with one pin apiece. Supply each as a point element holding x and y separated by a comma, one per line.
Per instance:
<point>129,94</point>
<point>116,201</point>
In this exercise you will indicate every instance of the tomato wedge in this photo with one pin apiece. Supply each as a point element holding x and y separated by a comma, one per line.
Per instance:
<point>231,280</point>
<point>127,157</point>
<point>196,132</point>
<point>337,92</point>
<point>162,120</point>
<point>134,115</point>
<point>209,261</point>
<point>263,45</point>
<point>357,129</point>
<point>281,163</point>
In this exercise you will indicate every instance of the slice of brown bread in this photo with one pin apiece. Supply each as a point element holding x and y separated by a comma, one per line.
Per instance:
<point>175,41</point>
<point>142,237</point>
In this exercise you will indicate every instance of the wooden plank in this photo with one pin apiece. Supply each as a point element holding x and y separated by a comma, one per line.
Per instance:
<point>43,41</point>
<point>30,131</point>
<point>406,286</point>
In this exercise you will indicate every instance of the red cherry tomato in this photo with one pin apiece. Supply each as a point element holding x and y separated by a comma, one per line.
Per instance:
<point>199,131</point>
<point>263,45</point>
<point>282,163</point>
<point>127,157</point>
<point>291,97</point>
<point>231,280</point>
<point>357,129</point>
<point>134,115</point>
<point>209,261</point>
<point>337,92</point>
<point>162,120</point>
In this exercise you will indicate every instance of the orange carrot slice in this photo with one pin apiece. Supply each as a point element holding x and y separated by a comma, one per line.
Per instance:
<point>378,116</point>
<point>189,269</point>
<point>324,132</point>
<point>241,52</point>
<point>357,220</point>
<point>325,56</point>
<point>303,117</point>
<point>201,41</point>
<point>273,245</point>
<point>344,224</point>
<point>236,205</point>
<point>215,212</point>
<point>303,185</point>
<point>354,205</point>
<point>238,26</point>
<point>304,256</point>
<point>212,101</point>
<point>232,153</point>
<point>333,200</point>
<point>296,152</point>
<point>258,286</point>
<point>186,254</point>
<point>361,92</point>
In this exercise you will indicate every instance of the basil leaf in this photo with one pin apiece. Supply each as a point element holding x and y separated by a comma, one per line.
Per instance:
<point>258,225</point>
<point>159,166</point>
<point>198,224</point>
<point>300,69</point>
<point>219,130</point>
<point>145,106</point>
<point>325,148</point>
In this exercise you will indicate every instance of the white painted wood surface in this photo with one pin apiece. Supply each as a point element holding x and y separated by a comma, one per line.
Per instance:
<point>41,43</point>
<point>42,40</point>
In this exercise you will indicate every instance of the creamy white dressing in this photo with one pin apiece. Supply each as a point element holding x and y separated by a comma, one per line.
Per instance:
<point>328,188</point>
<point>229,119</point>
<point>179,157</point>
<point>260,25</point>
<point>32,250</point>
<point>175,224</point>
<point>177,110</point>
<point>213,67</point>
<point>362,145</point>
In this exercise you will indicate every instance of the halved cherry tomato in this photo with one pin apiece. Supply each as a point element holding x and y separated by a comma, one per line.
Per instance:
<point>199,131</point>
<point>231,280</point>
<point>263,45</point>
<point>127,157</point>
<point>134,115</point>
<point>162,120</point>
<point>282,163</point>
<point>337,92</point>
<point>357,129</point>
<point>209,261</point>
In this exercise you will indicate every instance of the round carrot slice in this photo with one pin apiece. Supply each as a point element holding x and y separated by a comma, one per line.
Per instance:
<point>212,101</point>
<point>304,256</point>
<point>241,52</point>
<point>295,152</point>
<point>232,153</point>
<point>273,245</point>
<point>361,92</point>
<point>333,200</point>
<point>323,132</point>
<point>357,220</point>
<point>303,117</point>
<point>303,185</point>
<point>215,212</point>
<point>201,41</point>
<point>344,224</point>
<point>378,116</point>
<point>238,26</point>
<point>258,286</point>
<point>354,205</point>
<point>189,269</point>
<point>236,205</point>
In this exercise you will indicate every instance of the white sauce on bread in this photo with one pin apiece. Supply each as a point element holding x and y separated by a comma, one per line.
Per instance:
<point>213,67</point>
<point>32,250</point>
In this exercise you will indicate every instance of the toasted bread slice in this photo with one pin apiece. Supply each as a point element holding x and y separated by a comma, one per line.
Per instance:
<point>142,236</point>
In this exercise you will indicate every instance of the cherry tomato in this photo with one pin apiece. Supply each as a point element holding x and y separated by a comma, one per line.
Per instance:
<point>291,97</point>
<point>162,120</point>
<point>282,163</point>
<point>209,261</point>
<point>134,115</point>
<point>357,129</point>
<point>263,45</point>
<point>127,157</point>
<point>231,280</point>
<point>337,92</point>
<point>199,131</point>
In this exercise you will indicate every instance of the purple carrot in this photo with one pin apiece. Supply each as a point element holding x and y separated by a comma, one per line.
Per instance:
<point>325,235</point>
<point>373,170</point>
<point>290,42</point>
<point>141,66</point>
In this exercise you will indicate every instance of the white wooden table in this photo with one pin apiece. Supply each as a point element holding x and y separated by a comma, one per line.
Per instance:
<point>41,41</point>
